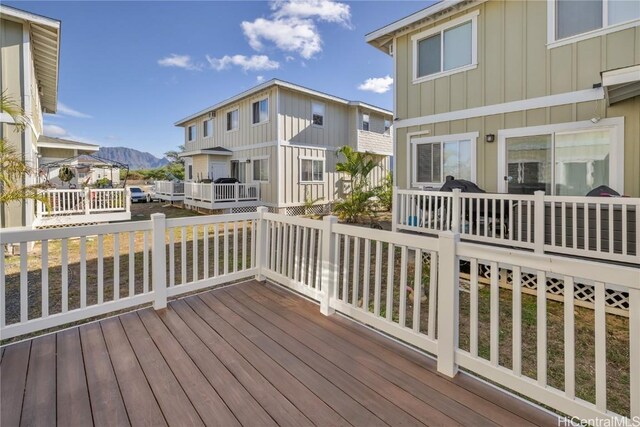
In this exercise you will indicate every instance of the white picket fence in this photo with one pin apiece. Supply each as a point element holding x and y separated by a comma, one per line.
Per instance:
<point>592,227</point>
<point>407,286</point>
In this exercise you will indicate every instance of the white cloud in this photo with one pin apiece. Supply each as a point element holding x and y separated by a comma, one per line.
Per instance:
<point>54,130</point>
<point>260,79</point>
<point>289,58</point>
<point>377,84</point>
<point>247,63</point>
<point>178,61</point>
<point>323,10</point>
<point>292,25</point>
<point>68,111</point>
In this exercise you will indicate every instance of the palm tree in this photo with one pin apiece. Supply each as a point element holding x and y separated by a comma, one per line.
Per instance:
<point>13,167</point>
<point>357,166</point>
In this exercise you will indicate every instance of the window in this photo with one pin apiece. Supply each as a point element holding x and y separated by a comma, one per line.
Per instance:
<point>445,49</point>
<point>387,125</point>
<point>365,122</point>
<point>190,172</point>
<point>437,157</point>
<point>574,17</point>
<point>261,169</point>
<point>311,170</point>
<point>191,133</point>
<point>207,128</point>
<point>317,113</point>
<point>232,120</point>
<point>260,111</point>
<point>563,163</point>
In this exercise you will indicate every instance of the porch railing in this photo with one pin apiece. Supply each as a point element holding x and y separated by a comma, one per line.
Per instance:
<point>221,193</point>
<point>407,286</point>
<point>85,201</point>
<point>169,190</point>
<point>601,228</point>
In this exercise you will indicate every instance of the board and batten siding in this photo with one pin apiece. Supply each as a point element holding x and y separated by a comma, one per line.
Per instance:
<point>514,63</point>
<point>246,134</point>
<point>295,193</point>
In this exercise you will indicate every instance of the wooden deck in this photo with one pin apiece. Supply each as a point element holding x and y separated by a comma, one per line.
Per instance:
<point>247,354</point>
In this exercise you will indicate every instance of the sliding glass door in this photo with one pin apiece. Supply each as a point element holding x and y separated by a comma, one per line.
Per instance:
<point>529,164</point>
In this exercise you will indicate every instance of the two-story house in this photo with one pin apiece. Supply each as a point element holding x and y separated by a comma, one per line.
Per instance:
<point>517,96</point>
<point>29,52</point>
<point>282,138</point>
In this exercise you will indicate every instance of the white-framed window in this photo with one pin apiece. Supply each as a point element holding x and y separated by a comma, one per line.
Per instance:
<point>191,133</point>
<point>317,113</point>
<point>233,120</point>
<point>446,49</point>
<point>574,20</point>
<point>565,159</point>
<point>365,121</point>
<point>207,128</point>
<point>435,158</point>
<point>311,169</point>
<point>260,167</point>
<point>387,125</point>
<point>260,111</point>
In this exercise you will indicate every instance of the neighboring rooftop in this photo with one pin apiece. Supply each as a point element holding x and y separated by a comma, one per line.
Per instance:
<point>284,84</point>
<point>45,40</point>
<point>382,37</point>
<point>52,142</point>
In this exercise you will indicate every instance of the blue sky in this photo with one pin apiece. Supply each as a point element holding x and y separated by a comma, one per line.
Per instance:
<point>129,70</point>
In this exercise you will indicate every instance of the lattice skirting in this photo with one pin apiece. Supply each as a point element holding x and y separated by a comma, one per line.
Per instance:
<point>313,210</point>
<point>616,302</point>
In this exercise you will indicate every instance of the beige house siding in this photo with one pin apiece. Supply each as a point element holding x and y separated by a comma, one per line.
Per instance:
<point>514,63</point>
<point>246,134</point>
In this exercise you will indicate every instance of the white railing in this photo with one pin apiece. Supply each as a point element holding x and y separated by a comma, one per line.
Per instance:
<point>602,228</point>
<point>213,194</point>
<point>169,190</point>
<point>80,272</point>
<point>408,286</point>
<point>84,201</point>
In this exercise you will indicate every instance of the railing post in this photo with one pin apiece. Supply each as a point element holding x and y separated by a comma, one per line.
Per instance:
<point>394,210</point>
<point>236,190</point>
<point>455,210</point>
<point>538,222</point>
<point>87,200</point>
<point>261,241</point>
<point>127,195</point>
<point>328,267</point>
<point>159,261</point>
<point>448,284</point>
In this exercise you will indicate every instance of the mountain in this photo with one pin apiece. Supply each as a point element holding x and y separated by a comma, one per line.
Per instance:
<point>134,158</point>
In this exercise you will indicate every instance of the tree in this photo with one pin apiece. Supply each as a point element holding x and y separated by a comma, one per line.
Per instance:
<point>357,167</point>
<point>13,167</point>
<point>174,155</point>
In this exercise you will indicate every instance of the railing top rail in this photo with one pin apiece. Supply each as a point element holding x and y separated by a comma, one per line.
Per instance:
<point>409,240</point>
<point>633,201</point>
<point>9,236</point>
<point>426,192</point>
<point>498,196</point>
<point>63,190</point>
<point>210,219</point>
<point>302,222</point>
<point>561,265</point>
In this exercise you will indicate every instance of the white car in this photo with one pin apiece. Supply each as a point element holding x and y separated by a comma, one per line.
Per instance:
<point>139,195</point>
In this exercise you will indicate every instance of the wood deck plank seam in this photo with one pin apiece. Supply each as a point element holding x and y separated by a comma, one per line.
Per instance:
<point>239,357</point>
<point>323,381</point>
<point>355,379</point>
<point>113,371</point>
<point>253,371</point>
<point>147,376</point>
<point>397,382</point>
<point>211,355</point>
<point>135,355</point>
<point>170,336</point>
<point>86,381</point>
<point>264,355</point>
<point>24,390</point>
<point>381,340</point>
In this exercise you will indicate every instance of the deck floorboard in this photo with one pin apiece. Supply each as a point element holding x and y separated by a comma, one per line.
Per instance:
<point>247,354</point>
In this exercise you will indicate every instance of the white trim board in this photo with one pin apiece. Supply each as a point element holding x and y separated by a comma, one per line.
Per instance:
<point>507,107</point>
